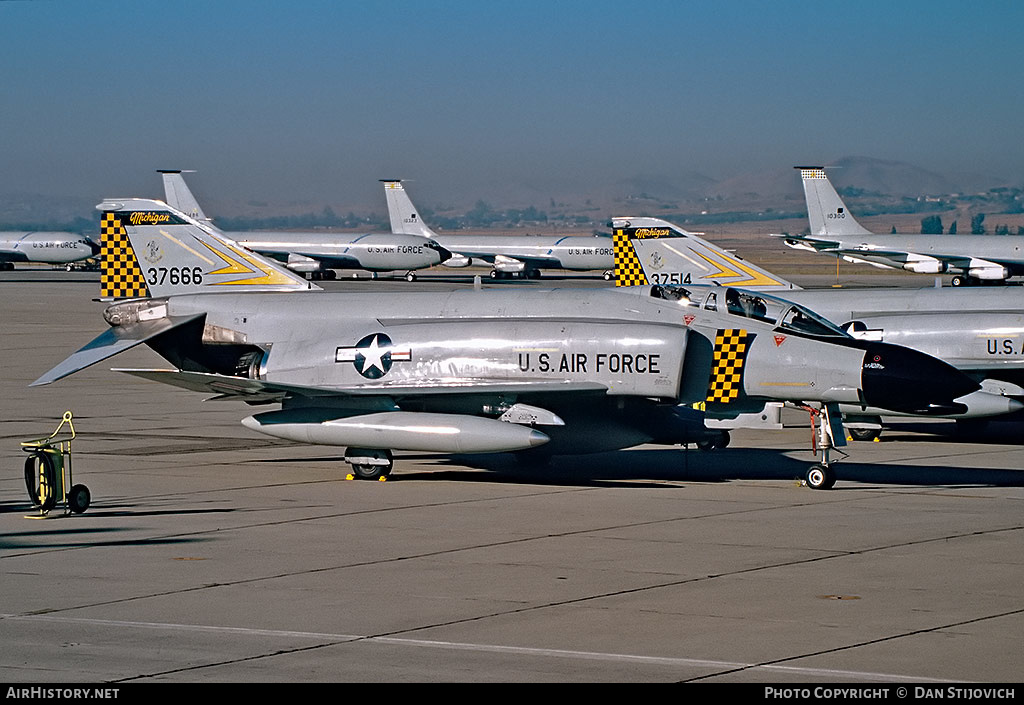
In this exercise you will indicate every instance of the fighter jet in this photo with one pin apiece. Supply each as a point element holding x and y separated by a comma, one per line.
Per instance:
<point>977,259</point>
<point>979,331</point>
<point>68,249</point>
<point>507,255</point>
<point>318,254</point>
<point>554,371</point>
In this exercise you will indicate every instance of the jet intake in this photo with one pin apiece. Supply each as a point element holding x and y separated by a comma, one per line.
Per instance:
<point>457,261</point>
<point>301,263</point>
<point>398,430</point>
<point>980,269</point>
<point>925,266</point>
<point>508,264</point>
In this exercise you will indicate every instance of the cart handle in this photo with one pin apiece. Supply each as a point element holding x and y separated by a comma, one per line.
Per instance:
<point>28,445</point>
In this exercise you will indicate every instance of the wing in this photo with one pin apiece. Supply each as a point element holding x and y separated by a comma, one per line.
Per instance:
<point>254,390</point>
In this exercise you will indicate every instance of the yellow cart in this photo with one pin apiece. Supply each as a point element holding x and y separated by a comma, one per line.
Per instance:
<point>48,471</point>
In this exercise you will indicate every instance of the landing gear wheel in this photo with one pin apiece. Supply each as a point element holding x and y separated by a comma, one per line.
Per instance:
<point>41,481</point>
<point>820,477</point>
<point>370,463</point>
<point>958,281</point>
<point>78,499</point>
<point>410,277</point>
<point>608,276</point>
<point>370,472</point>
<point>495,274</point>
<point>865,434</point>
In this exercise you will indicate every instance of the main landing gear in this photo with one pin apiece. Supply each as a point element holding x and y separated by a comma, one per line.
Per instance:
<point>369,463</point>
<point>967,280</point>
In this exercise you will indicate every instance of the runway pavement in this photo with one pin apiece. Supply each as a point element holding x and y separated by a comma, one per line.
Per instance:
<point>212,554</point>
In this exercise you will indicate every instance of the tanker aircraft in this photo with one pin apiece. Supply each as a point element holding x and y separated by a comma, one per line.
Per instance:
<point>472,370</point>
<point>61,248</point>
<point>318,254</point>
<point>974,259</point>
<point>979,331</point>
<point>507,255</point>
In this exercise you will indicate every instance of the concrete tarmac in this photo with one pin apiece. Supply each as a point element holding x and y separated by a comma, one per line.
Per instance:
<point>213,554</point>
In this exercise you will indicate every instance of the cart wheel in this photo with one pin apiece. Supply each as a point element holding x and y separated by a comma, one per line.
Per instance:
<point>78,499</point>
<point>41,481</point>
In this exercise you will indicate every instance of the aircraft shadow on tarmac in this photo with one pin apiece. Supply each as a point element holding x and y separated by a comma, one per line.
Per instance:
<point>642,466</point>
<point>55,537</point>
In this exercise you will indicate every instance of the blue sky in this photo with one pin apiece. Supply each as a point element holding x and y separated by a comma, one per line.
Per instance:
<point>283,101</point>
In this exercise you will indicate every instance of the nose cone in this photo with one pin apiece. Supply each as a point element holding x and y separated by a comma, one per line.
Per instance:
<point>909,381</point>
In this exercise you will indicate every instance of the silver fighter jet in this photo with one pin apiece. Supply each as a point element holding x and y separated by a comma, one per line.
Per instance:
<point>318,254</point>
<point>974,259</point>
<point>979,331</point>
<point>507,255</point>
<point>555,371</point>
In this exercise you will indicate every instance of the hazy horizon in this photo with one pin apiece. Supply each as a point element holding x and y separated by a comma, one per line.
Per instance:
<point>285,103</point>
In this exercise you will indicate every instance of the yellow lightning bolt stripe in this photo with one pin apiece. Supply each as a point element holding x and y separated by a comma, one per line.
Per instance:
<point>755,278</point>
<point>233,265</point>
<point>270,276</point>
<point>182,244</point>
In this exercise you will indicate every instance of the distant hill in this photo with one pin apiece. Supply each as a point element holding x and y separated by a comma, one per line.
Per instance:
<point>878,176</point>
<point>870,185</point>
<point>889,177</point>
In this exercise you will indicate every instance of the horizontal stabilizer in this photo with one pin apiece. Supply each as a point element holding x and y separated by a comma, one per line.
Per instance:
<point>111,342</point>
<point>807,242</point>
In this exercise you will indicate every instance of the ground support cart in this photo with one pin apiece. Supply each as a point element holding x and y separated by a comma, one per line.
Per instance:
<point>48,472</point>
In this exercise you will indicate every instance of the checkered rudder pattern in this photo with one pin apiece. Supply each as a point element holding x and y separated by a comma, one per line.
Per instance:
<point>731,347</point>
<point>628,271</point>
<point>120,277</point>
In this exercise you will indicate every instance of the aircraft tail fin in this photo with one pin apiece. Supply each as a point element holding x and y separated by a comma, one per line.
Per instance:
<point>150,249</point>
<point>827,213</point>
<point>179,196</point>
<point>405,219</point>
<point>653,251</point>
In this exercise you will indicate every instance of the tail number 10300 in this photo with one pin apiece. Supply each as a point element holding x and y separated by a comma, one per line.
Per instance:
<point>175,275</point>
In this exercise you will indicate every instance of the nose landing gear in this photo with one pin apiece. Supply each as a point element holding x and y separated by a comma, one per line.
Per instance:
<point>827,434</point>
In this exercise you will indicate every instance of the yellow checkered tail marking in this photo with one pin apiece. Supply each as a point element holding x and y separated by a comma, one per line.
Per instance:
<point>120,275</point>
<point>731,346</point>
<point>628,271</point>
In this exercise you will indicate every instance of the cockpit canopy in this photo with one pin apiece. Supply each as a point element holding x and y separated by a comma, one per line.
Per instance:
<point>784,315</point>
